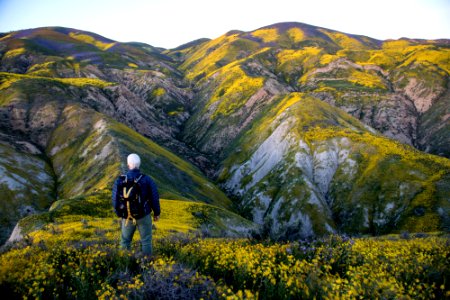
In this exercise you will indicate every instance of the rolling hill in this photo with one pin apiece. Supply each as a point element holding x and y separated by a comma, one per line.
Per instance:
<point>308,130</point>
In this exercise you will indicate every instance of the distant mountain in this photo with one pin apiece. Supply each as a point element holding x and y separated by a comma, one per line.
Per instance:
<point>399,88</point>
<point>308,129</point>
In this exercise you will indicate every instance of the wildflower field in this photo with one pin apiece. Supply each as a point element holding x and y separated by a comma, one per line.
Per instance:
<point>77,257</point>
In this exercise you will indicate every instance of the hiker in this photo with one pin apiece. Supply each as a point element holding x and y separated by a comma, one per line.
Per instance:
<point>134,197</point>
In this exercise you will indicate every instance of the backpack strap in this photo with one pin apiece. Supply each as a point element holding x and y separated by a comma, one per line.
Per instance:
<point>129,217</point>
<point>139,178</point>
<point>126,193</point>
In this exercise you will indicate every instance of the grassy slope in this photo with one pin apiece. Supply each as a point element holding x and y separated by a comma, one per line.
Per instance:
<point>91,218</point>
<point>84,156</point>
<point>355,72</point>
<point>88,150</point>
<point>176,178</point>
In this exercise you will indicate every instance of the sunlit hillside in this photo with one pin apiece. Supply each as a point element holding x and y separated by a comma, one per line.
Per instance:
<point>395,87</point>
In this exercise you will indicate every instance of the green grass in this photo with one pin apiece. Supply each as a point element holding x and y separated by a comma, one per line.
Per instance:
<point>176,178</point>
<point>8,79</point>
<point>217,53</point>
<point>84,156</point>
<point>91,218</point>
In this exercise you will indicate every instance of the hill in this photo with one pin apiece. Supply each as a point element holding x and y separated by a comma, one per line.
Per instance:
<point>56,147</point>
<point>399,88</point>
<point>280,109</point>
<point>298,124</point>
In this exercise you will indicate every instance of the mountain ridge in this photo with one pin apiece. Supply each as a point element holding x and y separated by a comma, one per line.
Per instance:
<point>205,99</point>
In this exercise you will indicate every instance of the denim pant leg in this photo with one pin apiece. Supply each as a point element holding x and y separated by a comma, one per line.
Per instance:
<point>145,230</point>
<point>127,234</point>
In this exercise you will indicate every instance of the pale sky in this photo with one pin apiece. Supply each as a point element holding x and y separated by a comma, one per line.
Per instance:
<point>170,23</point>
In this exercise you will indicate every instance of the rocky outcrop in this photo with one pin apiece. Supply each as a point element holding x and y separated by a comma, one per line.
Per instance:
<point>16,234</point>
<point>27,183</point>
<point>434,127</point>
<point>394,115</point>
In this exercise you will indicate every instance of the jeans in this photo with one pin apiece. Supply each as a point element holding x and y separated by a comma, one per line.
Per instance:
<point>144,226</point>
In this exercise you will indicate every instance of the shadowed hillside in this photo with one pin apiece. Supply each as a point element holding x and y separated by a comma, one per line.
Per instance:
<point>68,149</point>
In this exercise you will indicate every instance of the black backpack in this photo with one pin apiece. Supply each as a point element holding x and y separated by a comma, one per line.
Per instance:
<point>129,204</point>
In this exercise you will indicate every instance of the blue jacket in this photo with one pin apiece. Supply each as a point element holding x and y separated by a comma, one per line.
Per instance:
<point>149,192</point>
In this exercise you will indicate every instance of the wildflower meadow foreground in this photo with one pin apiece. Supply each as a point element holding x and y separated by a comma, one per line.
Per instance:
<point>73,255</point>
<point>192,268</point>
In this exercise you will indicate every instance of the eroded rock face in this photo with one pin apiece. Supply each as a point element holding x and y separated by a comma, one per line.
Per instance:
<point>152,103</point>
<point>393,114</point>
<point>305,184</point>
<point>423,96</point>
<point>16,234</point>
<point>26,183</point>
<point>297,186</point>
<point>304,191</point>
<point>433,133</point>
<point>270,153</point>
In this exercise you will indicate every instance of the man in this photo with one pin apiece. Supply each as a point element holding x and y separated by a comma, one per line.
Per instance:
<point>136,212</point>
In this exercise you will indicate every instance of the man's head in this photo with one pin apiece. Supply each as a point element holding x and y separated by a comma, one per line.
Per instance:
<point>134,162</point>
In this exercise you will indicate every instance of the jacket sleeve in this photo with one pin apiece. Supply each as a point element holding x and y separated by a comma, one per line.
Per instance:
<point>154,197</point>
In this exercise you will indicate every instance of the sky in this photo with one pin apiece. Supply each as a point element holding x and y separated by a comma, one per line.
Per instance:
<point>170,23</point>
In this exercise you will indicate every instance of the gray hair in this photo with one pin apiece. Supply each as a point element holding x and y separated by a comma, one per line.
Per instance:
<point>134,161</point>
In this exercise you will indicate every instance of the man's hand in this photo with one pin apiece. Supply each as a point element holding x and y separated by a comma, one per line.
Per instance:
<point>156,218</point>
